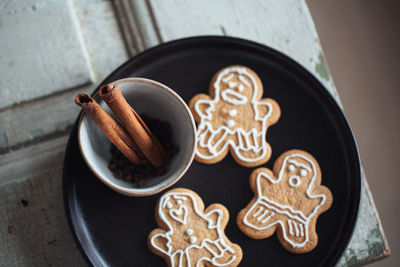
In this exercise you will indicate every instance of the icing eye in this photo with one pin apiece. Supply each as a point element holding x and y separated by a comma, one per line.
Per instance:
<point>294,181</point>
<point>169,205</point>
<point>241,88</point>
<point>232,84</point>
<point>179,201</point>
<point>291,168</point>
<point>303,172</point>
<point>243,80</point>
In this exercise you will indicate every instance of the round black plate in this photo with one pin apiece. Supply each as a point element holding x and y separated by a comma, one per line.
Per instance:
<point>111,229</point>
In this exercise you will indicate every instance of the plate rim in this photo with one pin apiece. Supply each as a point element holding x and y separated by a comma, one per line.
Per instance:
<point>66,183</point>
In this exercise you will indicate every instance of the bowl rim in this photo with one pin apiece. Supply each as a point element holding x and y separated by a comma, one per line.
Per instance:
<point>160,186</point>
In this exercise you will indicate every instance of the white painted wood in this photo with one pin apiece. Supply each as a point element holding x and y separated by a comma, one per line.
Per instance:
<point>284,25</point>
<point>34,160</point>
<point>36,120</point>
<point>139,30</point>
<point>102,36</point>
<point>34,229</point>
<point>42,50</point>
<point>368,243</point>
<point>37,234</point>
<point>33,121</point>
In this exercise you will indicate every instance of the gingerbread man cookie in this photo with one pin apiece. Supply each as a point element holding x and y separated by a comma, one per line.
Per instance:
<point>190,235</point>
<point>234,118</point>
<point>287,200</point>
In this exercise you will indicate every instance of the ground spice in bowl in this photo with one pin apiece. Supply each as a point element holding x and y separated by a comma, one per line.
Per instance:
<point>128,171</point>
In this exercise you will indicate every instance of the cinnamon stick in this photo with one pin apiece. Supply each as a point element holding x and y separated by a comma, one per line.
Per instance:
<point>136,128</point>
<point>110,127</point>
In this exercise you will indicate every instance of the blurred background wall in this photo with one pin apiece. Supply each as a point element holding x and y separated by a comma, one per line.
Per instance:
<point>361,41</point>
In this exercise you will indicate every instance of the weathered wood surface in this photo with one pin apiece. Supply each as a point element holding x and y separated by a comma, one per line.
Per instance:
<point>34,228</point>
<point>102,48</point>
<point>30,61</point>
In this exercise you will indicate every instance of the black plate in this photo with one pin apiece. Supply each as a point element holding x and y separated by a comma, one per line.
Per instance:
<point>111,229</point>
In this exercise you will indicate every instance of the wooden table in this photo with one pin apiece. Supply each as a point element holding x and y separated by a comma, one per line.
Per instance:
<point>51,50</point>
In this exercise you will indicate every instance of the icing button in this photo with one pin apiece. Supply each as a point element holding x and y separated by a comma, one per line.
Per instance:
<point>189,231</point>
<point>230,123</point>
<point>233,112</point>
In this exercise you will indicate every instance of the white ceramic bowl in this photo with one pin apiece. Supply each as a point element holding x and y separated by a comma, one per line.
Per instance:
<point>156,101</point>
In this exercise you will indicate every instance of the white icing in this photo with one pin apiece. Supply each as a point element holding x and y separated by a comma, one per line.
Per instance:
<point>299,164</point>
<point>240,87</point>
<point>178,254</point>
<point>243,80</point>
<point>257,212</point>
<point>296,216</point>
<point>205,129</point>
<point>262,215</point>
<point>291,167</point>
<point>189,231</point>
<point>233,97</point>
<point>290,226</point>
<point>227,78</point>
<point>296,228</point>
<point>269,217</point>
<point>301,230</point>
<point>179,215</point>
<point>303,172</point>
<point>232,112</point>
<point>179,197</point>
<point>169,205</point>
<point>179,201</point>
<point>232,85</point>
<point>230,123</point>
<point>294,181</point>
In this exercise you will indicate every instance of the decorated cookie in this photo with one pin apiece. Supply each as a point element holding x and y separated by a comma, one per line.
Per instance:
<point>190,235</point>
<point>234,118</point>
<point>287,200</point>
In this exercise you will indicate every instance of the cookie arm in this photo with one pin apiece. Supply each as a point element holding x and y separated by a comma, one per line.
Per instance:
<point>214,217</point>
<point>267,109</point>
<point>217,215</point>
<point>158,242</point>
<point>200,106</point>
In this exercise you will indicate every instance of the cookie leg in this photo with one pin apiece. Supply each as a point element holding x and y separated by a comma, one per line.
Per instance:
<point>218,141</point>
<point>178,259</point>
<point>199,256</point>
<point>222,254</point>
<point>252,147</point>
<point>261,219</point>
<point>294,232</point>
<point>227,255</point>
<point>204,134</point>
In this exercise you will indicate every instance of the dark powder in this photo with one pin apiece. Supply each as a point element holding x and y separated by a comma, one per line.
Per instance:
<point>126,170</point>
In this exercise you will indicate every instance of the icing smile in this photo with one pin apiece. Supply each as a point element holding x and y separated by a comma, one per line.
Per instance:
<point>233,97</point>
